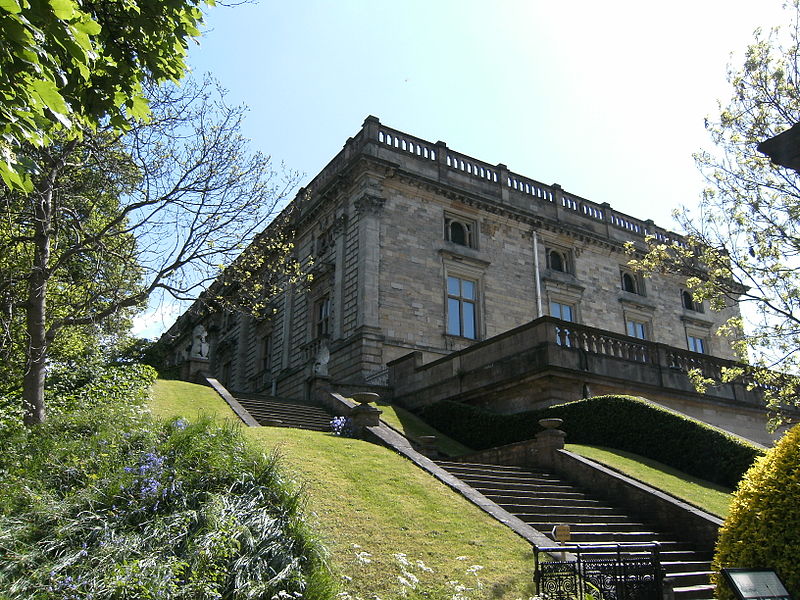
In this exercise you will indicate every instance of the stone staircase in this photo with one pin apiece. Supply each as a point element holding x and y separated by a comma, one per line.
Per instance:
<point>542,500</point>
<point>277,412</point>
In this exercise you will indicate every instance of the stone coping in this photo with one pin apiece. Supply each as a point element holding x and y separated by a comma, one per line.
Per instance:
<point>240,411</point>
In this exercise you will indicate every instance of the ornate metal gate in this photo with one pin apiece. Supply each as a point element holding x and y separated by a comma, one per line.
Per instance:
<point>633,573</point>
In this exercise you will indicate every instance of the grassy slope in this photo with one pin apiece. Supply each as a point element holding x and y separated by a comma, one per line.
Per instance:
<point>708,496</point>
<point>412,427</point>
<point>367,499</point>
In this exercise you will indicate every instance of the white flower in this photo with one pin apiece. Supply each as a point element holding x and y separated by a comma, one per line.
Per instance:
<point>461,558</point>
<point>401,558</point>
<point>423,567</point>
<point>474,569</point>
<point>411,577</point>
<point>363,557</point>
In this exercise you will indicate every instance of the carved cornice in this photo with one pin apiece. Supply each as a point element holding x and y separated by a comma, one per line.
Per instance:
<point>369,204</point>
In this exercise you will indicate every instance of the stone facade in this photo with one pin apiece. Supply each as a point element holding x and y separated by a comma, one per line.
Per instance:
<point>417,248</point>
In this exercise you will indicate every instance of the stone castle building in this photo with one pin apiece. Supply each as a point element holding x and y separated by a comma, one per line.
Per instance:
<point>423,254</point>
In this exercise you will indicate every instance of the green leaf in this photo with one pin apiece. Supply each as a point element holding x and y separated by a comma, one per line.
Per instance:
<point>14,179</point>
<point>49,94</point>
<point>11,6</point>
<point>138,107</point>
<point>88,26</point>
<point>63,9</point>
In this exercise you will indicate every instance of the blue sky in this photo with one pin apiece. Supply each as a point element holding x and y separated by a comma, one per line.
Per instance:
<point>607,99</point>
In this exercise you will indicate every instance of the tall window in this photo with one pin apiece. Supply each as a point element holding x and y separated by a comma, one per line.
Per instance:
<point>636,329</point>
<point>322,317</point>
<point>266,352</point>
<point>459,231</point>
<point>565,312</point>
<point>462,297</point>
<point>696,344</point>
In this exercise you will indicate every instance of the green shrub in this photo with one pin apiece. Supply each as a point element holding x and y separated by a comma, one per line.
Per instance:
<point>101,501</point>
<point>620,422</point>
<point>763,527</point>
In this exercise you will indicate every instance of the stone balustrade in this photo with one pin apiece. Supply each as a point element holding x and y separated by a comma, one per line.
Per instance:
<point>548,361</point>
<point>414,153</point>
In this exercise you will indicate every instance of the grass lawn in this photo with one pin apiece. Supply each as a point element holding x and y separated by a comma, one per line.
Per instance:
<point>710,497</point>
<point>371,506</point>
<point>412,427</point>
<point>178,398</point>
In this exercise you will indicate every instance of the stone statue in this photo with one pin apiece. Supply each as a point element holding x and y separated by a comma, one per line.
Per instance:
<point>322,360</point>
<point>199,342</point>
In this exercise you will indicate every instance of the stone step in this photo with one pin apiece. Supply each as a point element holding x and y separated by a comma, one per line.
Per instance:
<point>695,592</point>
<point>534,494</point>
<point>546,525</point>
<point>685,579</point>
<point>448,464</point>
<point>281,413</point>
<point>573,517</point>
<point>589,511</point>
<point>543,500</point>
<point>622,537</point>
<point>679,567</point>
<point>517,485</point>
<point>506,476</point>
<point>542,503</point>
<point>674,561</point>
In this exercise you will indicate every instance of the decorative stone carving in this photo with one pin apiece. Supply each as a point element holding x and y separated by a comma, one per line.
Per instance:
<point>369,204</point>
<point>322,360</point>
<point>199,342</point>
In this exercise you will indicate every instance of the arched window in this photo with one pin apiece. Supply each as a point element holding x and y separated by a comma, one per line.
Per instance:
<point>459,231</point>
<point>630,283</point>
<point>557,261</point>
<point>689,302</point>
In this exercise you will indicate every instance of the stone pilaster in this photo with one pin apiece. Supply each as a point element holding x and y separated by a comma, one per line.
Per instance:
<point>369,208</point>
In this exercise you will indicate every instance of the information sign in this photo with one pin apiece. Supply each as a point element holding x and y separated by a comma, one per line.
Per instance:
<point>756,584</point>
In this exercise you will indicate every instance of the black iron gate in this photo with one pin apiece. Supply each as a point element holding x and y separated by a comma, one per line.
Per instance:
<point>630,573</point>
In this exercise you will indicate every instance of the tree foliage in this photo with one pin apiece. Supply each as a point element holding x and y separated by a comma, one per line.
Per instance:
<point>68,65</point>
<point>763,527</point>
<point>114,218</point>
<point>743,239</point>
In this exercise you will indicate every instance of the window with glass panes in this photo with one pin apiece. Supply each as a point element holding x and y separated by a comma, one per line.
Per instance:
<point>565,312</point>
<point>636,329</point>
<point>696,344</point>
<point>322,317</point>
<point>462,314</point>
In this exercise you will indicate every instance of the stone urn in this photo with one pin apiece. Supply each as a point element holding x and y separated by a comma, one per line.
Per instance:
<point>363,414</point>
<point>365,397</point>
<point>551,423</point>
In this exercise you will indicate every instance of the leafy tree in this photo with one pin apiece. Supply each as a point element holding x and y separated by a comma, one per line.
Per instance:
<point>68,65</point>
<point>115,218</point>
<point>743,239</point>
<point>763,526</point>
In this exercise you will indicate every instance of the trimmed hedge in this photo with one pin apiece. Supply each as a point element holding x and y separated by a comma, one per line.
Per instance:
<point>763,526</point>
<point>620,422</point>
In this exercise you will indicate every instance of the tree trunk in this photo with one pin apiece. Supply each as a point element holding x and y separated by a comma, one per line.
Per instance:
<point>36,309</point>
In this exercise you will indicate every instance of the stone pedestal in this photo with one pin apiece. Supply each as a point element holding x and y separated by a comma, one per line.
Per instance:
<point>548,441</point>
<point>365,415</point>
<point>194,368</point>
<point>319,388</point>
